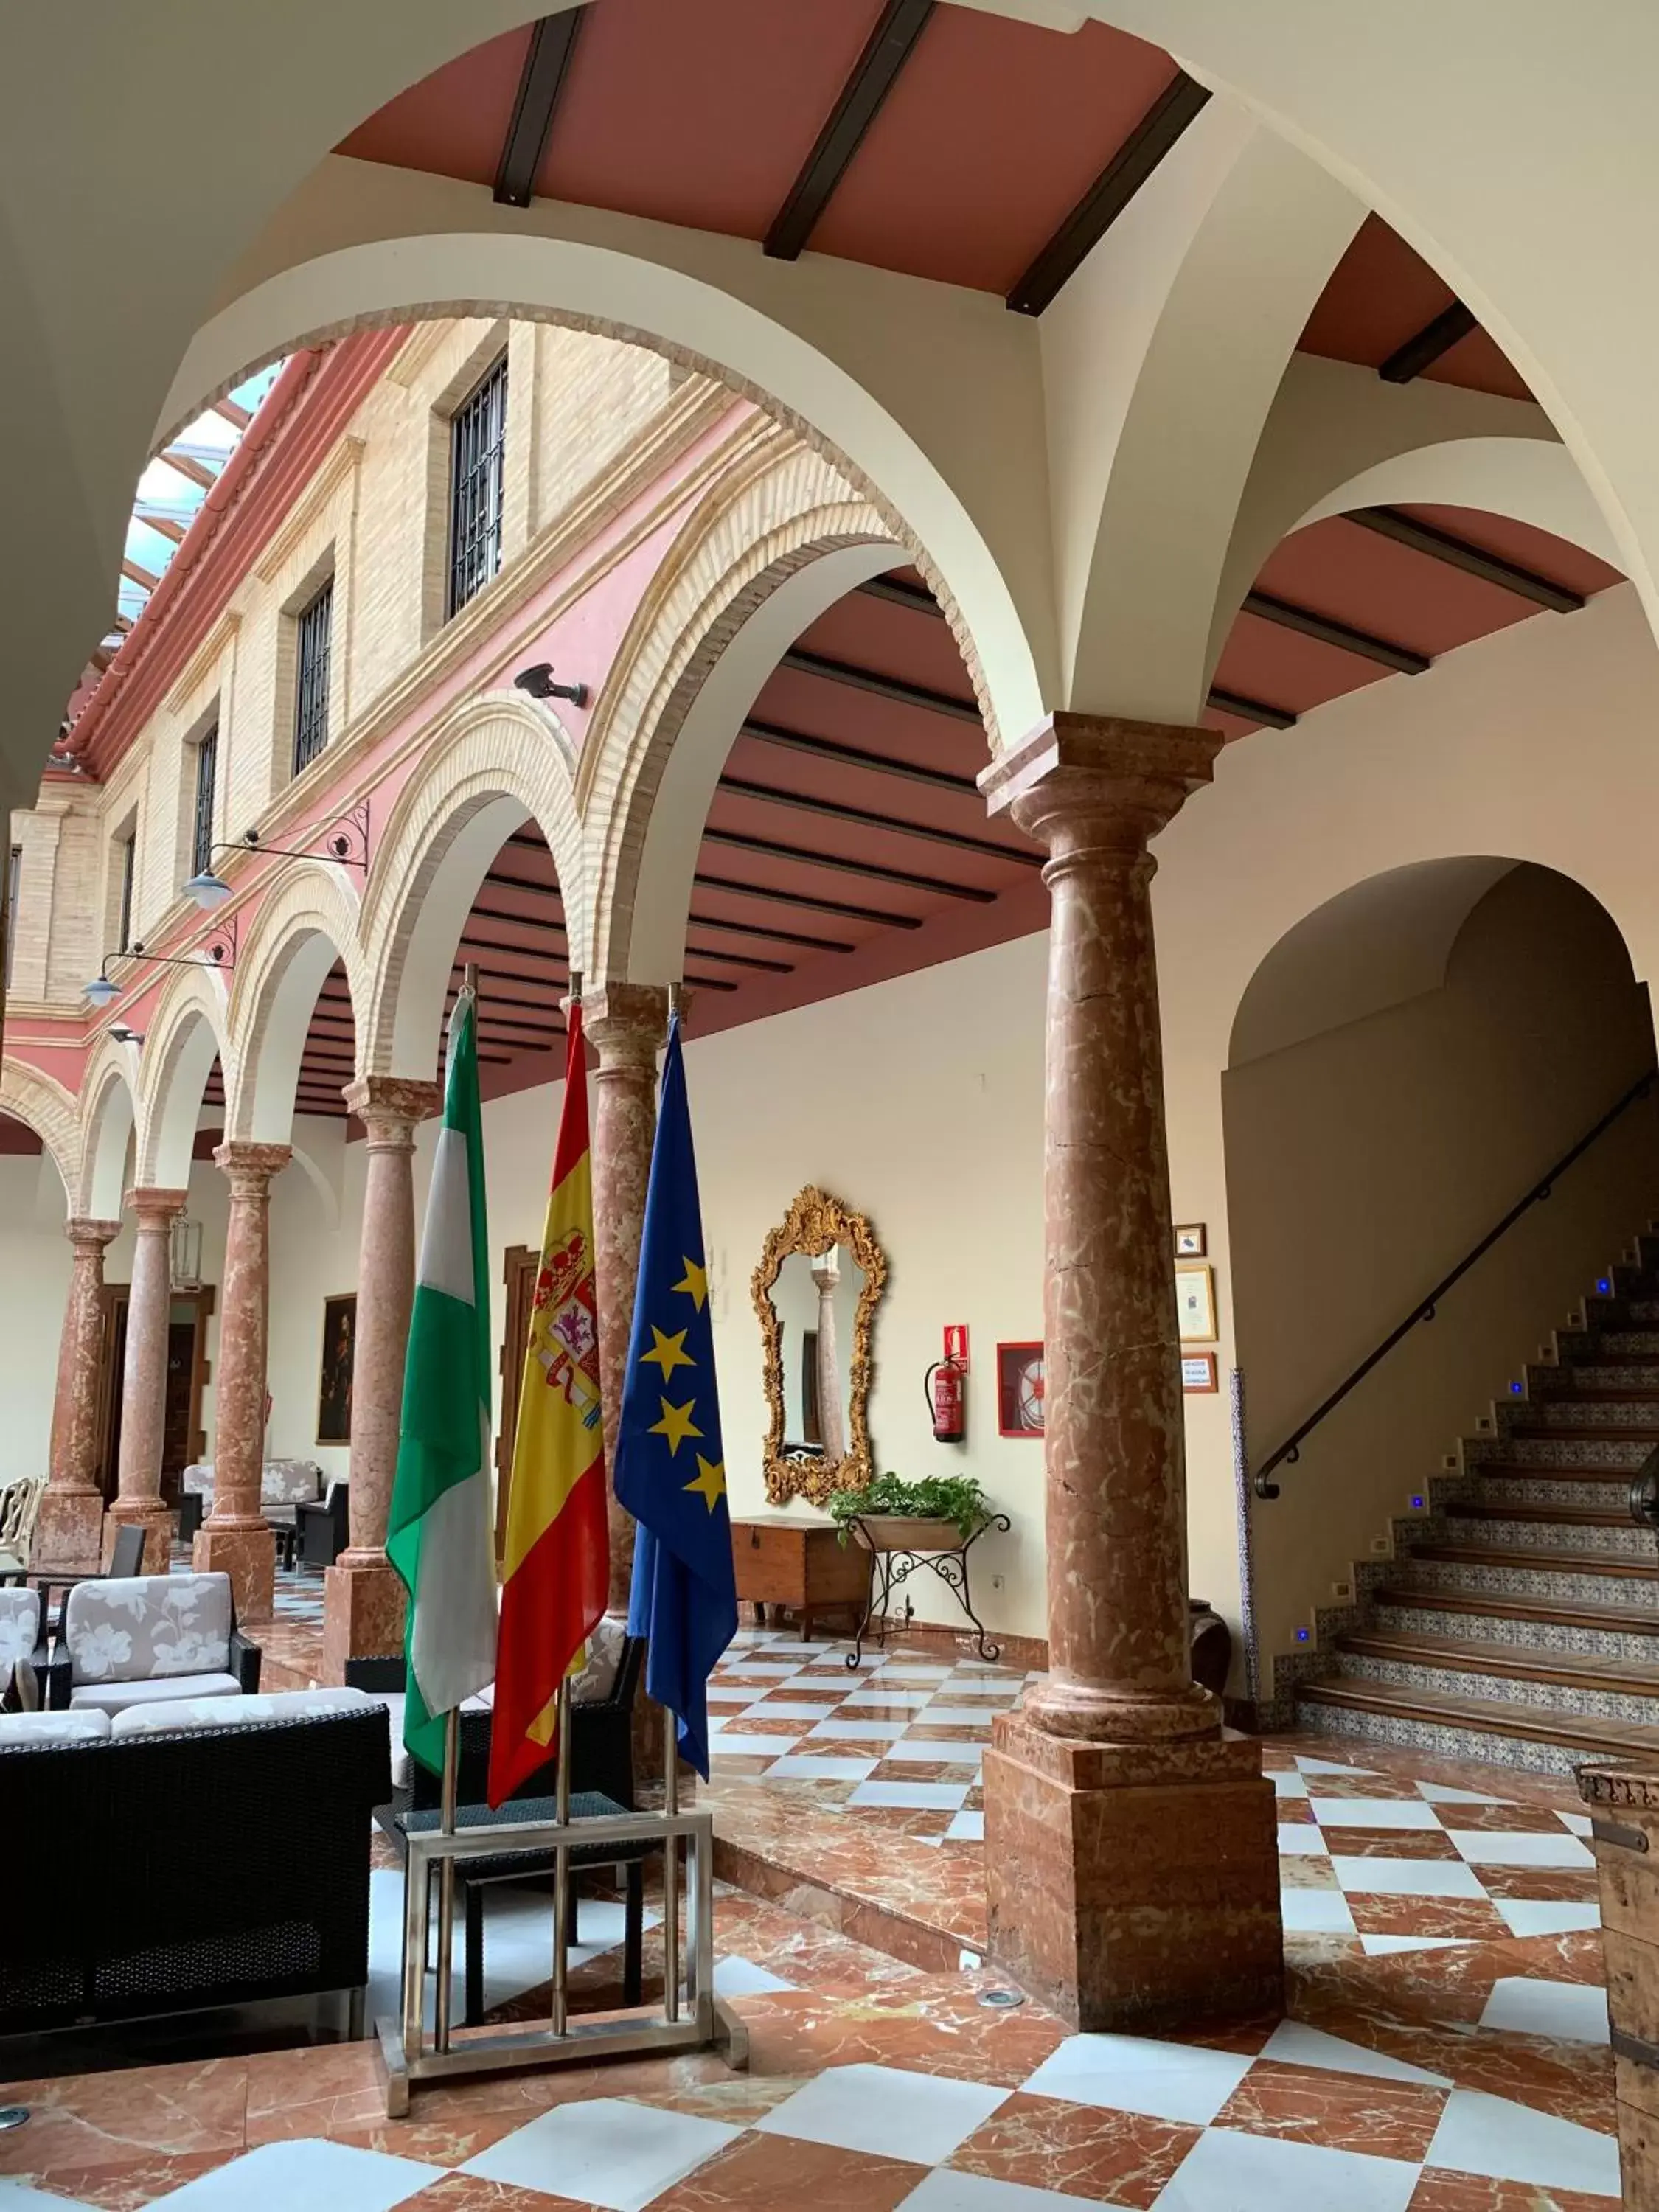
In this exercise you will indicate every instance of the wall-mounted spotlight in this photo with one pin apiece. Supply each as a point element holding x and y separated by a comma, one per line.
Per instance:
<point>537,681</point>
<point>344,840</point>
<point>122,1035</point>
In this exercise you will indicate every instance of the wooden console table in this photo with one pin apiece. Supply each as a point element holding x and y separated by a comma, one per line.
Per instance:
<point>800,1565</point>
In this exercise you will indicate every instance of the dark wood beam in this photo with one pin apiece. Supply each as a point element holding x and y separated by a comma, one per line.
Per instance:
<point>884,687</point>
<point>237,415</point>
<point>192,470</point>
<point>546,65</point>
<point>1346,640</point>
<point>835,809</point>
<point>770,930</point>
<point>1473,560</point>
<point>534,885</point>
<point>767,849</point>
<point>895,589</point>
<point>1059,261</point>
<point>886,51</point>
<point>744,960</point>
<point>1250,710</point>
<point>523,920</point>
<point>826,749</point>
<point>849,913</point>
<point>1450,325</point>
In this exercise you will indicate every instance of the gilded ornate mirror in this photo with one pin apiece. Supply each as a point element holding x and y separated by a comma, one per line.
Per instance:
<point>816,1291</point>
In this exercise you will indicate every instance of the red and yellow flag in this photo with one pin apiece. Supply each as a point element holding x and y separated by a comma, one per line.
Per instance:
<point>556,1566</point>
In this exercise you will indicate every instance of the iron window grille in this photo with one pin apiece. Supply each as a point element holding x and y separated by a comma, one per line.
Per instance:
<point>207,766</point>
<point>311,686</point>
<point>124,931</point>
<point>477,447</point>
<point>13,883</point>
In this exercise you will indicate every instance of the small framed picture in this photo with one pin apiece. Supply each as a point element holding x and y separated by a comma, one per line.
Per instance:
<point>334,1383</point>
<point>1192,1240</point>
<point>1019,1390</point>
<point>1197,1371</point>
<point>1195,1305</point>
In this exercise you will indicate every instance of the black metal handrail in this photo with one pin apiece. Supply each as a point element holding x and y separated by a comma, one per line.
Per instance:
<point>1291,1450</point>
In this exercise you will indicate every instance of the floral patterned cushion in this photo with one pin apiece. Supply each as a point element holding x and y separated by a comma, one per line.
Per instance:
<point>604,1649</point>
<point>148,1625</point>
<point>20,1626</point>
<point>188,1715</point>
<point>20,1730</point>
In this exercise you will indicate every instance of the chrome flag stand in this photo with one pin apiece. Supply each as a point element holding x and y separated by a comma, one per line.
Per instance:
<point>696,2020</point>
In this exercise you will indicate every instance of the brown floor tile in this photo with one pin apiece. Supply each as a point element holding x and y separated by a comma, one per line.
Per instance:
<point>1344,2111</point>
<point>87,2120</point>
<point>1391,1842</point>
<point>1553,1885</point>
<point>472,2192</point>
<point>1439,2191</point>
<point>1508,1820</point>
<point>132,2186</point>
<point>759,2174</point>
<point>1113,2157</point>
<point>1471,1919</point>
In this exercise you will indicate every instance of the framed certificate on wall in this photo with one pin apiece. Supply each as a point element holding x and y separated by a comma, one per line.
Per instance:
<point>1195,1304</point>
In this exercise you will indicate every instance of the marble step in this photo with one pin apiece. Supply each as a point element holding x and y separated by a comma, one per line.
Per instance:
<point>1473,1720</point>
<point>1622,1632</point>
<point>1588,1687</point>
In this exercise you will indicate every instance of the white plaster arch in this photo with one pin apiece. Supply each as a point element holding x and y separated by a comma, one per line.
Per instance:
<point>299,931</point>
<point>490,765</point>
<point>324,1185</point>
<point>847,356</point>
<point>745,576</point>
<point>109,1117</point>
<point>42,1104</point>
<point>189,1030</point>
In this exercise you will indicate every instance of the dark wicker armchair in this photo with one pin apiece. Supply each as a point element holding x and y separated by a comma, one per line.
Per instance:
<point>601,1750</point>
<point>324,1525</point>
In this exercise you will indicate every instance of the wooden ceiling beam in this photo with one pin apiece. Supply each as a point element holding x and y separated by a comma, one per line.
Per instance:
<point>835,810</point>
<point>842,907</point>
<point>803,855</point>
<point>1250,710</point>
<point>193,471</point>
<point>541,82</point>
<point>884,687</point>
<point>1473,560</point>
<point>899,593</point>
<point>1449,327</point>
<point>826,749</point>
<point>859,102</point>
<point>1340,635</point>
<point>770,930</point>
<point>1158,129</point>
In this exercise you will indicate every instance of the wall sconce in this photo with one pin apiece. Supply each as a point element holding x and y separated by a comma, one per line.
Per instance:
<point>345,840</point>
<point>185,1254</point>
<point>122,1035</point>
<point>220,951</point>
<point>537,683</point>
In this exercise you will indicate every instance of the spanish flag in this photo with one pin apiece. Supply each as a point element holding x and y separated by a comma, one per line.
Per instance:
<point>556,1567</point>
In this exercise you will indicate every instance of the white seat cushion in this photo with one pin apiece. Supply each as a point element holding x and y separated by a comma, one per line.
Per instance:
<point>52,1728</point>
<point>143,1625</point>
<point>117,1697</point>
<point>170,1716</point>
<point>403,1763</point>
<point>20,1626</point>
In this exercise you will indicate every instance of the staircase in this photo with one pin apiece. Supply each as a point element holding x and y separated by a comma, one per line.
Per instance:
<point>1518,1620</point>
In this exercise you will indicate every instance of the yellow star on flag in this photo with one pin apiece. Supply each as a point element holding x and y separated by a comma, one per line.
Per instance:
<point>695,1282</point>
<point>668,1352</point>
<point>710,1485</point>
<point>676,1424</point>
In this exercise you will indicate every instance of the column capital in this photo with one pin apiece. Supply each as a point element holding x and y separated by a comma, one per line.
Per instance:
<point>391,1107</point>
<point>251,1166</point>
<point>82,1230</point>
<point>627,1023</point>
<point>1098,780</point>
<point>154,1206</point>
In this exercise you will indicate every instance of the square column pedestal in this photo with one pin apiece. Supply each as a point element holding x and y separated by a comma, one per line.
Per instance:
<point>1133,1886</point>
<point>363,1609</point>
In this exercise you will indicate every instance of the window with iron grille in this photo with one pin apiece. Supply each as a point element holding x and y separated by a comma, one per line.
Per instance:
<point>14,881</point>
<point>124,927</point>
<point>207,765</point>
<point>311,684</point>
<point>478,446</point>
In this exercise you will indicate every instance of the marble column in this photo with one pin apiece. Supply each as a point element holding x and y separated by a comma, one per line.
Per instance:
<point>144,1380</point>
<point>71,1524</point>
<point>363,1598</point>
<point>627,1024</point>
<point>832,1431</point>
<point>1130,1846</point>
<point>236,1539</point>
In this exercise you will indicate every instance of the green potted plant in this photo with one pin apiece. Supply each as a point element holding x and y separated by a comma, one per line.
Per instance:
<point>888,1513</point>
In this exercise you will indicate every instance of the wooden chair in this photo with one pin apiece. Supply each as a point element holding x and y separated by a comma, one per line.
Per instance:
<point>20,1507</point>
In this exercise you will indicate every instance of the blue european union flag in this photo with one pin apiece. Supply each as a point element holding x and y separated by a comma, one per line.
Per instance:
<point>669,1470</point>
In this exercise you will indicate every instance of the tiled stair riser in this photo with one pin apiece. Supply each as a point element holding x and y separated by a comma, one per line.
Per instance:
<point>1570,1412</point>
<point>1442,1742</point>
<point>1629,1342</point>
<point>1635,1645</point>
<point>1545,1381</point>
<point>1557,1586</point>
<point>1629,1542</point>
<point>1540,1489</point>
<point>1610,1450</point>
<point>1504,1689</point>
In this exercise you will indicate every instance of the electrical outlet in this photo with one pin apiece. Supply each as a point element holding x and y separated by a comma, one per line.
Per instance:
<point>1343,1593</point>
<point>1380,1546</point>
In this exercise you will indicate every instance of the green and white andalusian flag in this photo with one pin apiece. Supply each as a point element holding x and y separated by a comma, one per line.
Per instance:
<point>438,1536</point>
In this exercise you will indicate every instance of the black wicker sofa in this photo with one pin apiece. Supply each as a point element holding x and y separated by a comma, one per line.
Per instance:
<point>170,1872</point>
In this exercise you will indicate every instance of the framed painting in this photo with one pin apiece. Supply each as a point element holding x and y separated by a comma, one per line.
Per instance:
<point>334,1380</point>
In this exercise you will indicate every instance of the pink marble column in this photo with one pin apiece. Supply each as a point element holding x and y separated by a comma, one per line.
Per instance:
<point>832,1433</point>
<point>627,1024</point>
<point>364,1601</point>
<point>67,1533</point>
<point>1131,1858</point>
<point>236,1539</point>
<point>144,1380</point>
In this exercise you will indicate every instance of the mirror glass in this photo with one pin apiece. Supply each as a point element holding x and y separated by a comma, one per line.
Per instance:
<point>816,1301</point>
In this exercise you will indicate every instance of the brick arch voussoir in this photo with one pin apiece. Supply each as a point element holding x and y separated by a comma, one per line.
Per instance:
<point>195,994</point>
<point>317,898</point>
<point>42,1104</point>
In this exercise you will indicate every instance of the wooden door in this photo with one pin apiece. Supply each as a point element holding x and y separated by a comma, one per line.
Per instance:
<point>518,1268</point>
<point>109,1386</point>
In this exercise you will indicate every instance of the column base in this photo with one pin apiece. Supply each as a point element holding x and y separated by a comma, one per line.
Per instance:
<point>248,1556</point>
<point>1133,1886</point>
<point>157,1523</point>
<point>68,1531</point>
<point>363,1611</point>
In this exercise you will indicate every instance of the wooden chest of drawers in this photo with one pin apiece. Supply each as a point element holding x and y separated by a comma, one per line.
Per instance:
<point>800,1565</point>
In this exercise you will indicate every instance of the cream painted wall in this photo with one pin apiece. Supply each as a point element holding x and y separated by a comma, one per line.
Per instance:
<point>34,1278</point>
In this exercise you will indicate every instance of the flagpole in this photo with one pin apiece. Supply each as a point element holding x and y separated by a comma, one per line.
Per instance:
<point>670,1800</point>
<point>561,2003</point>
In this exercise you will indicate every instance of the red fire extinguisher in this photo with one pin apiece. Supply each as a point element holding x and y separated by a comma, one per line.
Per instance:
<point>947,1401</point>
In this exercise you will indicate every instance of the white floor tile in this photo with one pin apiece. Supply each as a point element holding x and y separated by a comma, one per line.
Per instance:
<point>787,1709</point>
<point>721,1694</point>
<point>1372,1812</point>
<point>968,1827</point>
<point>945,2191</point>
<point>730,1743</point>
<point>778,1668</point>
<point>1294,2044</point>
<point>1441,1793</point>
<point>885,2110</point>
<point>322,2176</point>
<point>959,1717</point>
<point>1484,1847</point>
<point>1290,1785</point>
<point>897,1701</point>
<point>1407,1877</point>
<point>1575,1824</point>
<point>742,1977</point>
<point>1136,2074</point>
<point>18,2196</point>
<point>811,1766</point>
<point>603,2151</point>
<point>1383,1947</point>
<point>1530,1916</point>
<point>1228,2171</point>
<point>1315,1913</point>
<point>1572,2010</point>
<point>922,1754</point>
<point>855,1731</point>
<point>1301,1839</point>
<point>1508,2142</point>
<point>898,1670</point>
<point>912,1797</point>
